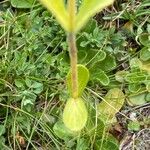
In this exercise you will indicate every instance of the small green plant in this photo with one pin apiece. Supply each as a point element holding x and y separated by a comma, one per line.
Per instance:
<point>72,20</point>
<point>75,113</point>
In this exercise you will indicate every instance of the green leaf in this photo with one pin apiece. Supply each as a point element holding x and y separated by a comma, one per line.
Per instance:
<point>88,9</point>
<point>145,39</point>
<point>145,54</point>
<point>113,101</point>
<point>82,55</point>
<point>102,77</point>
<point>145,66</point>
<point>90,26</point>
<point>2,142</point>
<point>147,98</point>
<point>106,144</point>
<point>135,63</point>
<point>148,86</point>
<point>134,88</point>
<point>75,114</point>
<point>82,144</point>
<point>57,7</point>
<point>19,83</point>
<point>95,125</point>
<point>22,3</point>
<point>62,131</point>
<point>99,56</point>
<point>83,77</point>
<point>134,126</point>
<point>138,99</point>
<point>108,64</point>
<point>91,56</point>
<point>136,77</point>
<point>2,130</point>
<point>36,87</point>
<point>119,76</point>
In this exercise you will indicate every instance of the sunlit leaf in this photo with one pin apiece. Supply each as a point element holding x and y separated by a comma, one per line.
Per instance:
<point>88,9</point>
<point>75,114</point>
<point>148,86</point>
<point>83,77</point>
<point>57,7</point>
<point>111,104</point>
<point>145,66</point>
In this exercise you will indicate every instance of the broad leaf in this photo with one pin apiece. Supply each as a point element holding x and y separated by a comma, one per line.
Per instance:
<point>111,104</point>
<point>22,3</point>
<point>61,131</point>
<point>134,125</point>
<point>108,64</point>
<point>147,98</point>
<point>134,88</point>
<point>136,77</point>
<point>145,39</point>
<point>82,144</point>
<point>94,125</point>
<point>57,7</point>
<point>145,66</point>
<point>99,56</point>
<point>138,99</point>
<point>91,56</point>
<point>135,63</point>
<point>75,114</point>
<point>119,76</point>
<point>102,77</point>
<point>88,9</point>
<point>83,77</point>
<point>145,53</point>
<point>107,143</point>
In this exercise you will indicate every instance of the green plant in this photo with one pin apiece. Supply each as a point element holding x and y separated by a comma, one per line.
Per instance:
<point>72,21</point>
<point>34,61</point>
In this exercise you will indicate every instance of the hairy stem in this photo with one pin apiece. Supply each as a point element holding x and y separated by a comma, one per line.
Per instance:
<point>72,48</point>
<point>73,59</point>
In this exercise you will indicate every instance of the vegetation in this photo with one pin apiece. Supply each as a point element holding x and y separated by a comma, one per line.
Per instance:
<point>101,102</point>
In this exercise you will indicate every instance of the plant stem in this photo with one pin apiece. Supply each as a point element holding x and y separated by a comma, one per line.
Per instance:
<point>72,13</point>
<point>73,59</point>
<point>72,48</point>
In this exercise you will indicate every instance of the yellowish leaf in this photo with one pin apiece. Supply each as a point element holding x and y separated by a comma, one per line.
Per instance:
<point>83,77</point>
<point>57,7</point>
<point>111,104</point>
<point>88,9</point>
<point>75,114</point>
